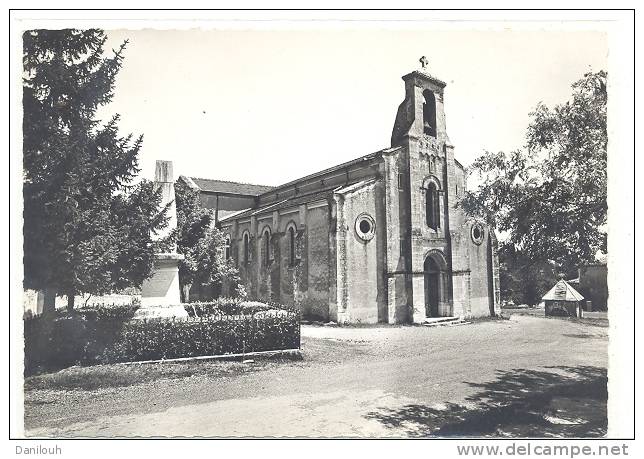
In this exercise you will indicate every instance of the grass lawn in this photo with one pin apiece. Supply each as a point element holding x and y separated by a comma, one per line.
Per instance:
<point>117,375</point>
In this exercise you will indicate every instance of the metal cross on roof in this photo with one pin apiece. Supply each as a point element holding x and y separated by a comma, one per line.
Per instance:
<point>424,62</point>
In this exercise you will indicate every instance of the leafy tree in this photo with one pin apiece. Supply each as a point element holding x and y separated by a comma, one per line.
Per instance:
<point>523,280</point>
<point>550,197</point>
<point>214,272</point>
<point>86,227</point>
<point>202,246</point>
<point>193,223</point>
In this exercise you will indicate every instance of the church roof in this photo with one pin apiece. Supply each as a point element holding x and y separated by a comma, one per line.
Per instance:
<point>282,204</point>
<point>360,160</point>
<point>223,214</point>
<point>222,186</point>
<point>562,291</point>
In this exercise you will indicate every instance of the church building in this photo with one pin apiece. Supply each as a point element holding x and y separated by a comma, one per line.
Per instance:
<point>375,239</point>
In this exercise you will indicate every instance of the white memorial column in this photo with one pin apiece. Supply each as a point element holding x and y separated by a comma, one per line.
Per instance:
<point>160,293</point>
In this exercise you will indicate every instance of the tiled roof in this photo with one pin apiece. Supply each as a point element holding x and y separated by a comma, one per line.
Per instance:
<point>359,160</point>
<point>222,186</point>
<point>563,291</point>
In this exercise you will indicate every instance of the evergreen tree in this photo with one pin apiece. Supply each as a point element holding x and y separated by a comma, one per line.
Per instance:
<point>86,227</point>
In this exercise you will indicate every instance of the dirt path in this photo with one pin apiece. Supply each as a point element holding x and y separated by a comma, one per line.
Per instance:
<point>488,378</point>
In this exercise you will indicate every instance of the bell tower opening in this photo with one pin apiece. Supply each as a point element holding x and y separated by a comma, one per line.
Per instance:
<point>429,113</point>
<point>421,112</point>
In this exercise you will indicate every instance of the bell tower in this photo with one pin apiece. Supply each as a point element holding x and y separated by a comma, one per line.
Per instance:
<point>421,113</point>
<point>428,165</point>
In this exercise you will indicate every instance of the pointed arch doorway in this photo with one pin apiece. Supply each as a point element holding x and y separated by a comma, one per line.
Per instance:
<point>437,289</point>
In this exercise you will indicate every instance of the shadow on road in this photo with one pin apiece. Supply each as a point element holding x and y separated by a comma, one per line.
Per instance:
<point>559,402</point>
<point>583,336</point>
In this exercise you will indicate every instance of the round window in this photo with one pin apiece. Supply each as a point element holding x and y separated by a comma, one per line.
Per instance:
<point>477,233</point>
<point>365,227</point>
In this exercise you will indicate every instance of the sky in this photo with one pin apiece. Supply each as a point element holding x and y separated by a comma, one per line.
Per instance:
<point>269,106</point>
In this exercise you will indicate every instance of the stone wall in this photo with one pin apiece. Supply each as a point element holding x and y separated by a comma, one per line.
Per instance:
<point>479,280</point>
<point>593,285</point>
<point>271,275</point>
<point>328,254</point>
<point>475,275</point>
<point>341,275</point>
<point>397,244</point>
<point>469,290</point>
<point>315,301</point>
<point>361,290</point>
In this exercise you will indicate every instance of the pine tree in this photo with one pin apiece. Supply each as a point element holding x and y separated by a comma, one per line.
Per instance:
<point>86,227</point>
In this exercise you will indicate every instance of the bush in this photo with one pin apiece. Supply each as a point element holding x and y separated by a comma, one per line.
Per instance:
<point>168,339</point>
<point>233,307</point>
<point>96,335</point>
<point>218,307</point>
<point>54,342</point>
<point>108,312</point>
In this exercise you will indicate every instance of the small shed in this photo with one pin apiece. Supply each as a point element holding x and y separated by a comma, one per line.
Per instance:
<point>563,300</point>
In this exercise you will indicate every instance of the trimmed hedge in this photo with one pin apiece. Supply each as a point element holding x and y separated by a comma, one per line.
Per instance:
<point>167,339</point>
<point>234,307</point>
<point>108,311</point>
<point>91,336</point>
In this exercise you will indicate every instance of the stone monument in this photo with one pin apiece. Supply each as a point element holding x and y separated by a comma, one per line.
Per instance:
<point>160,293</point>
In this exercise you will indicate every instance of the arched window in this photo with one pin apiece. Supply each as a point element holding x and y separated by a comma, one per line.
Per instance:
<point>227,248</point>
<point>429,113</point>
<point>266,247</point>
<point>291,246</point>
<point>432,207</point>
<point>246,248</point>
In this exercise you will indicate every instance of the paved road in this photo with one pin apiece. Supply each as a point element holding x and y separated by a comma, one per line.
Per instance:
<point>524,376</point>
